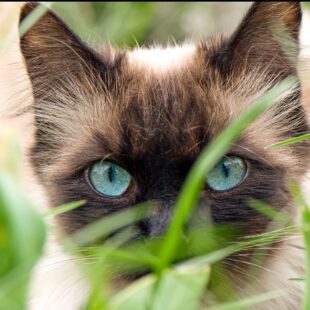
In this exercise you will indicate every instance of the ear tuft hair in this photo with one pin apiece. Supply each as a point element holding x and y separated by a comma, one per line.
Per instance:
<point>267,39</point>
<point>53,53</point>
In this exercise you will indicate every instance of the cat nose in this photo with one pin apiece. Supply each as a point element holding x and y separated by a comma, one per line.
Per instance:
<point>156,224</point>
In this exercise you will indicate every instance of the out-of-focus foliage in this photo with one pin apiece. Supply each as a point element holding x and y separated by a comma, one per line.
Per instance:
<point>129,23</point>
<point>22,231</point>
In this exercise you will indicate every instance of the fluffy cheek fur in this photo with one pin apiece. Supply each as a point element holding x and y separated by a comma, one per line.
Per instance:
<point>131,131</point>
<point>129,125</point>
<point>154,117</point>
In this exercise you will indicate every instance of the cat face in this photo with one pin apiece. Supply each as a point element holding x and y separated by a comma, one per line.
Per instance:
<point>152,111</point>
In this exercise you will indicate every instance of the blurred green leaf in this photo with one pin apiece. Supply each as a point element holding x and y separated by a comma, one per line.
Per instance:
<point>305,218</point>
<point>179,288</point>
<point>123,23</point>
<point>305,214</point>
<point>22,236</point>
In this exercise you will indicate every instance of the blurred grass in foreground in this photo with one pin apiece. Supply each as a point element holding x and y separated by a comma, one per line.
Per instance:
<point>169,285</point>
<point>22,231</point>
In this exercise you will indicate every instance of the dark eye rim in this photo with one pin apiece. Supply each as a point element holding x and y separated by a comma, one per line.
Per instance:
<point>247,166</point>
<point>89,183</point>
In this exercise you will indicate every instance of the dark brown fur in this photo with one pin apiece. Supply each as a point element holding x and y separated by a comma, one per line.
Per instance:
<point>92,106</point>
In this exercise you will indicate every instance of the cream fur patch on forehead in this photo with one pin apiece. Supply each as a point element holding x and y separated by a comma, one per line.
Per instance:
<point>161,59</point>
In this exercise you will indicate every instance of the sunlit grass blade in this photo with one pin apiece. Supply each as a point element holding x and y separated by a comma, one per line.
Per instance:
<point>205,162</point>
<point>109,224</point>
<point>279,219</point>
<point>142,254</point>
<point>131,259</point>
<point>15,209</point>
<point>305,217</point>
<point>98,271</point>
<point>255,241</point>
<point>97,274</point>
<point>297,279</point>
<point>180,288</point>
<point>246,303</point>
<point>27,23</point>
<point>14,287</point>
<point>268,211</point>
<point>96,301</point>
<point>64,208</point>
<point>32,18</point>
<point>214,256</point>
<point>290,141</point>
<point>300,247</point>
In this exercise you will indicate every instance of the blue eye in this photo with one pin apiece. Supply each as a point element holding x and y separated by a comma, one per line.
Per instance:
<point>109,179</point>
<point>227,174</point>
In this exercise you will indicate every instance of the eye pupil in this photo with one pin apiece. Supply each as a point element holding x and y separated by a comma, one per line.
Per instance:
<point>227,174</point>
<point>225,169</point>
<point>109,179</point>
<point>111,174</point>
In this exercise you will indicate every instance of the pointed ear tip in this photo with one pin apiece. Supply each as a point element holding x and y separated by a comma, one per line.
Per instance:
<point>296,6</point>
<point>290,13</point>
<point>286,6</point>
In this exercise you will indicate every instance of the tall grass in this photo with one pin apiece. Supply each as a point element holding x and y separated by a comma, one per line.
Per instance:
<point>173,281</point>
<point>22,230</point>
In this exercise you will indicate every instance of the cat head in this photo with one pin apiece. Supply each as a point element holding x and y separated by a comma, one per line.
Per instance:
<point>148,113</point>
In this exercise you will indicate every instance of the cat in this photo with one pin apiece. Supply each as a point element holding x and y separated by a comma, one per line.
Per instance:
<point>149,112</point>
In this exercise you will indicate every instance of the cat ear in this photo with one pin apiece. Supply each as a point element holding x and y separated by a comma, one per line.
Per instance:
<point>53,53</point>
<point>267,38</point>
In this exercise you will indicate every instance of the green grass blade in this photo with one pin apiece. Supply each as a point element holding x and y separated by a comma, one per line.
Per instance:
<point>32,18</point>
<point>300,247</point>
<point>248,302</point>
<point>212,153</point>
<point>297,279</point>
<point>268,211</point>
<point>180,288</point>
<point>218,255</point>
<point>64,208</point>
<point>305,216</point>
<point>109,224</point>
<point>290,141</point>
